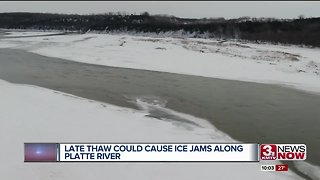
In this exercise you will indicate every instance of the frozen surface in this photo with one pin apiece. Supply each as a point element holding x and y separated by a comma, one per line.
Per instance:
<point>33,114</point>
<point>293,66</point>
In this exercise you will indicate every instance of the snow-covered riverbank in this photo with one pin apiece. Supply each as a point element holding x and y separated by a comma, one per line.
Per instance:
<point>293,66</point>
<point>33,114</point>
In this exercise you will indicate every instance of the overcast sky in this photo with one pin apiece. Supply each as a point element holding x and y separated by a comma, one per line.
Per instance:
<point>188,9</point>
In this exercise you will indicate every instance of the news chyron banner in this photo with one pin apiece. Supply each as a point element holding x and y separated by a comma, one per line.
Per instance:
<point>142,152</point>
<point>163,152</point>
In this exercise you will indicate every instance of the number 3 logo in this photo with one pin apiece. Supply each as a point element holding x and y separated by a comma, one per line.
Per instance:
<point>268,151</point>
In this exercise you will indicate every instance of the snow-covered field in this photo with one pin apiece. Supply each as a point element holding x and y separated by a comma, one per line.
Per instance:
<point>33,114</point>
<point>293,66</point>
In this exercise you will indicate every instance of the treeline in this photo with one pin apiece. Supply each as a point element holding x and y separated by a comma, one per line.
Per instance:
<point>302,31</point>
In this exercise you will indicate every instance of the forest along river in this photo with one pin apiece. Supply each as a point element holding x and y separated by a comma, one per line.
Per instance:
<point>248,112</point>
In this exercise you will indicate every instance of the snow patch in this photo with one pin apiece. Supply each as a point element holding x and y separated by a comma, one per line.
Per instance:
<point>33,114</point>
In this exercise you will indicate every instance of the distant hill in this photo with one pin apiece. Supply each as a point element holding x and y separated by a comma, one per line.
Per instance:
<point>302,31</point>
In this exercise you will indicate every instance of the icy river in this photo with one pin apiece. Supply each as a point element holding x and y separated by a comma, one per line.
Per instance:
<point>248,112</point>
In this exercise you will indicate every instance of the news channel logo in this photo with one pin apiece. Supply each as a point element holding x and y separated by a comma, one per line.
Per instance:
<point>283,152</point>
